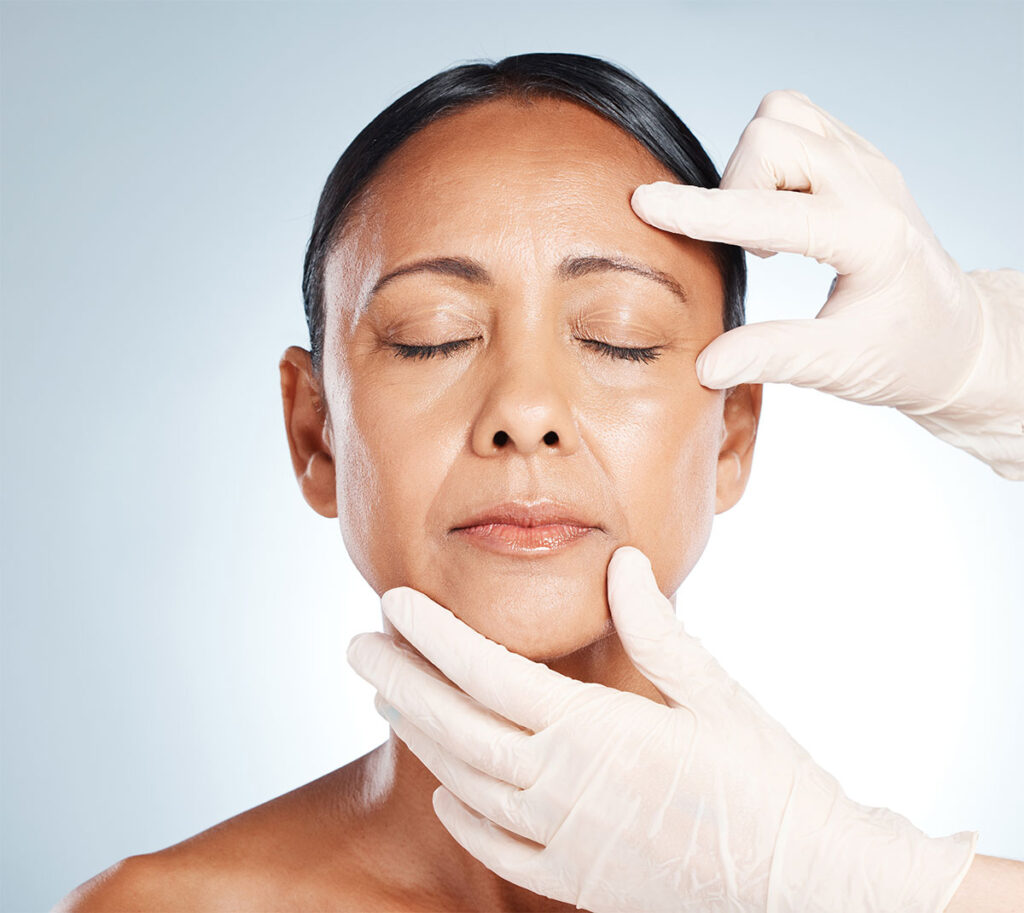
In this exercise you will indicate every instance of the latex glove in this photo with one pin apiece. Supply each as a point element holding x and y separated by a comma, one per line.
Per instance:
<point>614,802</point>
<point>903,325</point>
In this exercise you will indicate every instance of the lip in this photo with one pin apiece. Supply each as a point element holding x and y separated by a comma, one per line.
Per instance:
<point>529,514</point>
<point>526,528</point>
<point>511,539</point>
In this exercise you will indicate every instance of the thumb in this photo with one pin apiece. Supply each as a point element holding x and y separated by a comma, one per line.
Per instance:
<point>651,634</point>
<point>799,352</point>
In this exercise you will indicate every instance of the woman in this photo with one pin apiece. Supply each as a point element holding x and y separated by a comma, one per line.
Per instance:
<point>494,336</point>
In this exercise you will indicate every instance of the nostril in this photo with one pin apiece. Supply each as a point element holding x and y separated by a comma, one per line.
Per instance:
<point>501,438</point>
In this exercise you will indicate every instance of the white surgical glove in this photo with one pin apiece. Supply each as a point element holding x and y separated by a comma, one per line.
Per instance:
<point>616,803</point>
<point>903,325</point>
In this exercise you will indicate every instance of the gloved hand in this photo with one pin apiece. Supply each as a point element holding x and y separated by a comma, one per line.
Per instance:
<point>903,325</point>
<point>614,802</point>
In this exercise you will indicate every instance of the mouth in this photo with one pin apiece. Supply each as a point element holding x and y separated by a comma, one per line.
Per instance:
<point>508,538</point>
<point>519,527</point>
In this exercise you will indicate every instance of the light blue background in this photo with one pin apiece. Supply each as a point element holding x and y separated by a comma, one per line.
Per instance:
<point>175,617</point>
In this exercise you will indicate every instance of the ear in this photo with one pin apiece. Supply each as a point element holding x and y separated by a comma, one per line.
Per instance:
<point>306,423</point>
<point>740,414</point>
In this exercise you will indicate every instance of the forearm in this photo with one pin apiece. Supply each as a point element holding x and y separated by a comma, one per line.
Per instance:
<point>991,885</point>
<point>986,417</point>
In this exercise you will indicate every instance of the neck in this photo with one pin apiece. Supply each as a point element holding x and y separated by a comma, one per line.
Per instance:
<point>431,859</point>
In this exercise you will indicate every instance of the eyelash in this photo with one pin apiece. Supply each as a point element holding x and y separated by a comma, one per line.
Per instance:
<point>645,355</point>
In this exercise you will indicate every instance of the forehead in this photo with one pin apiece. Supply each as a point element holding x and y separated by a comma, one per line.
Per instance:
<point>514,184</point>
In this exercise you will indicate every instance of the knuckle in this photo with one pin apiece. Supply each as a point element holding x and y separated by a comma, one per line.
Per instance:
<point>779,101</point>
<point>751,162</point>
<point>514,809</point>
<point>512,756</point>
<point>760,131</point>
<point>753,129</point>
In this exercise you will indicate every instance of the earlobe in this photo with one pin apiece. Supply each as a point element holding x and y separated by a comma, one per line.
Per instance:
<point>305,420</point>
<point>729,482</point>
<point>741,413</point>
<point>317,484</point>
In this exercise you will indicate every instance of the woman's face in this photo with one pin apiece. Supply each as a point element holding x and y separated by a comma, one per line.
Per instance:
<point>519,219</point>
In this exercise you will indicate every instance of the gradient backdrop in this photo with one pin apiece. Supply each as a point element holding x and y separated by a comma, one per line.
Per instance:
<point>175,617</point>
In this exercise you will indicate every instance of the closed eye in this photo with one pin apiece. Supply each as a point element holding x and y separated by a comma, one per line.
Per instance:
<point>447,349</point>
<point>645,355</point>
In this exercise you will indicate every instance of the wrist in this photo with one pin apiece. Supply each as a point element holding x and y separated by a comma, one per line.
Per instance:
<point>836,854</point>
<point>985,416</point>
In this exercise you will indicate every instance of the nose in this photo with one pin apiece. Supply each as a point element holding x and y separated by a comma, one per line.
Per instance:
<point>527,409</point>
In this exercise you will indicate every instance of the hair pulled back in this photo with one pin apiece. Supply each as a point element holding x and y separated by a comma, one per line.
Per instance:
<point>597,84</point>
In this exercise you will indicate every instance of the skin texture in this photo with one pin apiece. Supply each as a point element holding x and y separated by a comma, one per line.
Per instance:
<point>410,449</point>
<point>401,450</point>
<point>406,449</point>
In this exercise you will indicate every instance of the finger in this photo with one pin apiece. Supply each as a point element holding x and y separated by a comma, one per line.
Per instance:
<point>784,105</point>
<point>779,220</point>
<point>495,799</point>
<point>776,155</point>
<point>507,855</point>
<point>799,352</point>
<point>676,663</point>
<point>795,107</point>
<point>519,689</point>
<point>456,721</point>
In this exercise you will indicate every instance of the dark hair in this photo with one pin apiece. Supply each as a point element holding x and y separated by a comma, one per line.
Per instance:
<point>599,85</point>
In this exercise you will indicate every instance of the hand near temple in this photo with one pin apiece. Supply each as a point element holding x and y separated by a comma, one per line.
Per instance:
<point>902,326</point>
<point>615,802</point>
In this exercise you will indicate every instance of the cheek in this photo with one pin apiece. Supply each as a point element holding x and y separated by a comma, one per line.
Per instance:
<point>395,453</point>
<point>401,459</point>
<point>690,506</point>
<point>664,466</point>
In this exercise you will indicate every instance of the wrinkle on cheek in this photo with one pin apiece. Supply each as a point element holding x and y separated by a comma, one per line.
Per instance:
<point>360,490</point>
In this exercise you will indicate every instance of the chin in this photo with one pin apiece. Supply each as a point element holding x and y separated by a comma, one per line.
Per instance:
<point>542,607</point>
<point>538,625</point>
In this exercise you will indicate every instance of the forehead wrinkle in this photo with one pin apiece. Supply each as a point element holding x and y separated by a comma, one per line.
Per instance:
<point>570,181</point>
<point>571,267</point>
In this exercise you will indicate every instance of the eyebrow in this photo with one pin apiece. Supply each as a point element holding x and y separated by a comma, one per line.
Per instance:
<point>570,268</point>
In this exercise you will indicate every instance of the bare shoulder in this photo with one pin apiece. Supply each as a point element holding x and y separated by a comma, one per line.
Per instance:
<point>137,883</point>
<point>170,883</point>
<point>298,851</point>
